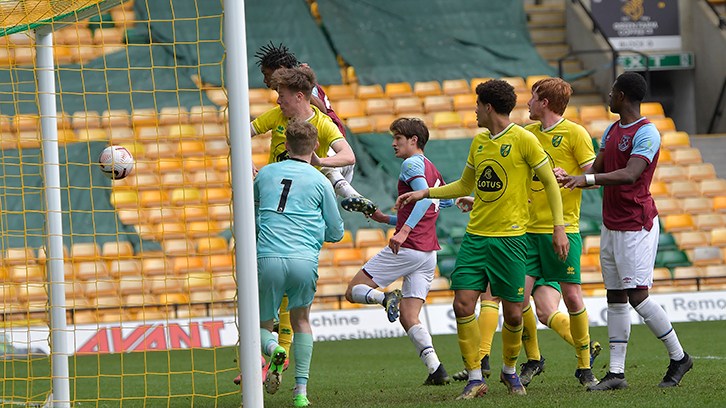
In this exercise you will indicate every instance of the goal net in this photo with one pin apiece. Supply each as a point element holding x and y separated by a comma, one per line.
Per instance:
<point>148,259</point>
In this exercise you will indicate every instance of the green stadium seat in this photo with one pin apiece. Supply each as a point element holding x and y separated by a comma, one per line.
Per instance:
<point>666,242</point>
<point>589,227</point>
<point>447,251</point>
<point>457,234</point>
<point>671,259</point>
<point>446,267</point>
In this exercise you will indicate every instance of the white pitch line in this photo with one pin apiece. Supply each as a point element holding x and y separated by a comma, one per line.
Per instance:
<point>710,358</point>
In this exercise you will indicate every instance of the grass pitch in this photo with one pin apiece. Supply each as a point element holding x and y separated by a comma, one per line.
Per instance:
<point>384,373</point>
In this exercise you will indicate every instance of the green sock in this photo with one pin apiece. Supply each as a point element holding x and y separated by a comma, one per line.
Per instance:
<point>302,347</point>
<point>265,339</point>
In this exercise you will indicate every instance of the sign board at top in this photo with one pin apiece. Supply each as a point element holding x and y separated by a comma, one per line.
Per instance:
<point>642,25</point>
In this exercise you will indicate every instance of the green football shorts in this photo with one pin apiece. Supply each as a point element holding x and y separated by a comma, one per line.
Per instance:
<point>497,261</point>
<point>542,261</point>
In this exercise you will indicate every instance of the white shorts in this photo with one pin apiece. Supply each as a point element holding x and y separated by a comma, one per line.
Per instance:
<point>416,267</point>
<point>627,258</point>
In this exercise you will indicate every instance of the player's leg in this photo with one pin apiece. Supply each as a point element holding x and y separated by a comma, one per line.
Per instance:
<point>488,321</point>
<point>271,288</point>
<point>301,284</point>
<point>284,327</point>
<point>535,363</point>
<point>354,201</point>
<point>506,271</point>
<point>652,313</point>
<point>379,272</point>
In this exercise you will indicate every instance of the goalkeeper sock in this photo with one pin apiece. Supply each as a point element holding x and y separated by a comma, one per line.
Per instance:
<point>285,328</point>
<point>488,321</point>
<point>303,347</point>
<point>268,341</point>
<point>421,339</point>
<point>529,334</point>
<point>366,294</point>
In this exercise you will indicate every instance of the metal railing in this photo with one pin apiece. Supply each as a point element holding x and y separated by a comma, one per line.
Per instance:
<point>721,19</point>
<point>719,109</point>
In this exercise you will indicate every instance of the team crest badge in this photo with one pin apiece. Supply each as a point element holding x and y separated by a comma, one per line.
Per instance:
<point>505,150</point>
<point>625,143</point>
<point>556,140</point>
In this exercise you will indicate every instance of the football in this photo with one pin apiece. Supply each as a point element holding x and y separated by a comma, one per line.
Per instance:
<point>116,162</point>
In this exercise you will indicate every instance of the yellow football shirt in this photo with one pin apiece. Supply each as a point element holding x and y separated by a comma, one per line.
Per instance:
<point>498,170</point>
<point>277,122</point>
<point>569,146</point>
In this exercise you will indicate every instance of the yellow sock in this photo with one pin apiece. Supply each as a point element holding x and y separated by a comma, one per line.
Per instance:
<point>580,329</point>
<point>560,323</point>
<point>488,320</point>
<point>468,332</point>
<point>285,337</point>
<point>529,334</point>
<point>511,343</point>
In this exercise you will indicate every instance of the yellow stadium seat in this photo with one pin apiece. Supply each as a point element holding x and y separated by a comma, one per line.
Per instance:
<point>350,108</point>
<point>224,282</point>
<point>465,103</point>
<point>455,133</point>
<point>347,257</point>
<point>220,263</point>
<point>678,223</point>
<point>713,188</point>
<point>257,95</point>
<point>429,88</point>
<point>124,267</point>
<point>407,105</point>
<point>165,165</point>
<point>328,275</point>
<point>718,237</point>
<point>453,87</point>
<point>131,285</point>
<point>667,205</point>
<point>210,131</point>
<point>184,265</point>
<point>399,90</point>
<point>143,117</point>
<point>115,118</point>
<point>169,230</point>
<point>182,131</point>
<point>345,242</point>
<point>680,189</point>
<point>691,239</point>
<point>590,113</point>
<point>696,205</point>
<point>370,237</point>
<point>85,251</point>
<point>194,213</point>
<point>370,252</point>
<point>174,180</point>
<point>85,120</point>
<point>591,244</point>
<point>686,275</point>
<point>530,81</point>
<point>719,203</point>
<point>379,106</point>
<point>439,103</point>
<point>659,189</point>
<point>167,284</point>
<point>517,82</point>
<point>675,140</point>
<point>186,196</point>
<point>211,245</point>
<point>205,114</point>
<point>178,246</point>
<point>662,277</point>
<point>383,122</point>
<point>686,156</point>
<point>652,110</point>
<point>707,222</point>
<point>198,282</point>
<point>469,120</point>
<point>444,120</point>
<point>360,125</point>
<point>154,198</point>
<point>572,114</point>
<point>31,292</point>
<point>340,92</point>
<point>664,124</point>
<point>26,273</point>
<point>94,289</point>
<point>117,249</point>
<point>199,229</point>
<point>220,212</point>
<point>157,215</point>
<point>665,157</point>
<point>370,92</point>
<point>590,263</point>
<point>19,256</point>
<point>669,173</point>
<point>700,171</point>
<point>173,115</point>
<point>476,81</point>
<point>217,196</point>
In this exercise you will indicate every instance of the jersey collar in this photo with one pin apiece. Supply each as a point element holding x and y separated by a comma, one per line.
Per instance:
<point>551,127</point>
<point>500,134</point>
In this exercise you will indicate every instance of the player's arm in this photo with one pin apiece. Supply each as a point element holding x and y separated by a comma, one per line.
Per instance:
<point>560,242</point>
<point>334,228</point>
<point>462,187</point>
<point>344,155</point>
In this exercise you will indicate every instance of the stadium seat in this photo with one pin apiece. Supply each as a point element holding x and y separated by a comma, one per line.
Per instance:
<point>455,133</point>
<point>686,156</point>
<point>572,114</point>
<point>370,92</point>
<point>143,118</point>
<point>470,121</point>
<point>350,108</point>
<point>194,213</point>
<point>681,189</point>
<point>85,251</point>
<point>695,205</point>
<point>678,223</point>
<point>158,215</point>
<point>590,263</point>
<point>256,95</point>
<point>206,114</point>
<point>407,105</point>
<point>707,255</point>
<point>712,188</point>
<point>517,82</point>
<point>117,249</point>
<point>20,256</point>
<point>131,285</point>
<point>169,230</point>
<point>186,196</point>
<point>718,237</point>
<point>26,273</point>
<point>29,139</point>
<point>707,222</point>
<point>85,120</point>
<point>659,189</point>
<point>200,229</point>
<point>160,149</point>
<point>664,124</point>
<point>224,282</point>
<point>424,89</point>
<point>700,171</point>
<point>119,118</point>
<point>675,140</point>
<point>257,109</point>
<point>666,242</point>
<point>439,103</point>
<point>453,87</point>
<point>662,276</point>
<point>174,180</point>
<point>522,98</point>
<point>165,165</point>
<point>94,289</point>
<point>691,239</point>
<point>476,81</point>
<point>671,259</point>
<point>198,282</point>
<point>169,284</point>
<point>686,275</point>
<point>217,196</point>
<point>382,122</point>
<point>589,227</point>
<point>591,245</point>
<point>593,112</point>
<point>399,90</point>
<point>370,237</point>
<point>156,266</point>
<point>715,275</point>
<point>652,110</point>
<point>719,203</point>
<point>667,205</point>
<point>328,275</point>
<point>124,267</point>
<point>220,212</point>
<point>379,106</point>
<point>360,125</point>
<point>465,102</point>
<point>211,245</point>
<point>197,164</point>
<point>445,120</point>
<point>667,173</point>
<point>665,157</point>
<point>347,257</point>
<point>178,246</point>
<point>532,79</point>
<point>340,92</point>
<point>325,257</point>
<point>370,252</point>
<point>184,265</point>
<point>211,131</point>
<point>182,132</point>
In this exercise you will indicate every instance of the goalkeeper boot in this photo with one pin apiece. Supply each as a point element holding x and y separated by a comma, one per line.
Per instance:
<point>676,371</point>
<point>275,369</point>
<point>438,377</point>
<point>530,369</point>
<point>359,204</point>
<point>300,400</point>
<point>238,380</point>
<point>514,385</point>
<point>473,389</point>
<point>390,303</point>
<point>611,381</point>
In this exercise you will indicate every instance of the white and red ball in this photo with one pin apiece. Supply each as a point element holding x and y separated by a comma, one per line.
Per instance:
<point>116,162</point>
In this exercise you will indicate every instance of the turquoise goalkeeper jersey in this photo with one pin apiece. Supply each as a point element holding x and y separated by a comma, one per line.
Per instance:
<point>296,211</point>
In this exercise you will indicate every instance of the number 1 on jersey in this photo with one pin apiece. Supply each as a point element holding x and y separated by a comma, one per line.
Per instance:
<point>283,197</point>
